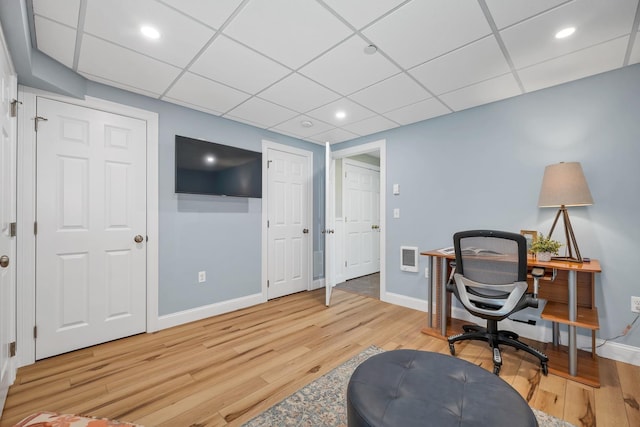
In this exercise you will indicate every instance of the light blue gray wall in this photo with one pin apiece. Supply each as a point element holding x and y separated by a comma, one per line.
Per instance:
<point>482,168</point>
<point>219,235</point>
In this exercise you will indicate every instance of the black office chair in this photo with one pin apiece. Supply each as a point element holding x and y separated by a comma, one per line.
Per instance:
<point>490,280</point>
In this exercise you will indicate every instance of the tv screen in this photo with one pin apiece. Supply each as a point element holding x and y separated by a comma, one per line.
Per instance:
<point>208,168</point>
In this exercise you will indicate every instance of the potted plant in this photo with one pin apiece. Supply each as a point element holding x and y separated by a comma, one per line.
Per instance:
<point>545,247</point>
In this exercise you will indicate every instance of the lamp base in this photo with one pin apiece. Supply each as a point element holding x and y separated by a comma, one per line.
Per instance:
<point>572,245</point>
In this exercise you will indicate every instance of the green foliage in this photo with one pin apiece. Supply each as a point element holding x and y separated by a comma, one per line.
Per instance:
<point>544,244</point>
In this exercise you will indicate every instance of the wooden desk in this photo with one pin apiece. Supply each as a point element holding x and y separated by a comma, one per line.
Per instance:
<point>569,289</point>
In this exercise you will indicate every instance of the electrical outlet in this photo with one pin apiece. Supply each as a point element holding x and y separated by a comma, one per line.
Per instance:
<point>202,276</point>
<point>635,304</point>
<point>426,272</point>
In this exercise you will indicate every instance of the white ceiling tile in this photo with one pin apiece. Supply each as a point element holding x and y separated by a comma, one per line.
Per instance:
<point>265,113</point>
<point>212,13</point>
<point>205,93</point>
<point>533,41</point>
<point>357,70</point>
<point>333,136</point>
<point>294,127</point>
<point>371,125</point>
<point>119,85</point>
<point>473,63</point>
<point>111,62</point>
<point>299,93</point>
<point>63,11</point>
<point>419,111</point>
<point>391,94</point>
<point>586,62</point>
<point>291,31</point>
<point>361,12</point>
<point>56,40</point>
<point>354,112</point>
<point>191,105</point>
<point>506,13</point>
<point>482,93</point>
<point>635,53</point>
<point>422,30</point>
<point>233,64</point>
<point>119,21</point>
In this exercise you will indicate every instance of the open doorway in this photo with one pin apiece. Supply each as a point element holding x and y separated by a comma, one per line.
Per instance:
<point>359,219</point>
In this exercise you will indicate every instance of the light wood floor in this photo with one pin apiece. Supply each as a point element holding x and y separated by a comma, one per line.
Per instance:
<point>227,369</point>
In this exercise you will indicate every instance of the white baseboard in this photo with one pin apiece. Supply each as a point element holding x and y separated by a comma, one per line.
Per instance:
<point>405,301</point>
<point>317,284</point>
<point>199,313</point>
<point>541,332</point>
<point>620,352</point>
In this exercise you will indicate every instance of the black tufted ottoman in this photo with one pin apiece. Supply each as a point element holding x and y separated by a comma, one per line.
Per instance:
<point>418,388</point>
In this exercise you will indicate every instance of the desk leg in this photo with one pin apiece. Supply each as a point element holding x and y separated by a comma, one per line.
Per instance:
<point>430,292</point>
<point>443,296</point>
<point>573,310</point>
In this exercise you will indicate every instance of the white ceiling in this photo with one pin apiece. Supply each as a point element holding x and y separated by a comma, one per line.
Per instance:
<point>277,63</point>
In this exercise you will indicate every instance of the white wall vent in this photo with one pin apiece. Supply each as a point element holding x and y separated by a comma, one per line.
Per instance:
<point>409,258</point>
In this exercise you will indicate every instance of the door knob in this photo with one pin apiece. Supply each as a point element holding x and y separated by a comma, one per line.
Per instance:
<point>4,261</point>
<point>305,231</point>
<point>138,239</point>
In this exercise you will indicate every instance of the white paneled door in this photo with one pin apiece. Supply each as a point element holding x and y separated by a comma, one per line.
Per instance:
<point>91,227</point>
<point>361,204</point>
<point>8,89</point>
<point>289,235</point>
<point>329,218</point>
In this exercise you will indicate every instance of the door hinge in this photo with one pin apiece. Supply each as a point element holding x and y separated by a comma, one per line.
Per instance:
<point>267,223</point>
<point>38,119</point>
<point>345,263</point>
<point>12,349</point>
<point>14,107</point>
<point>13,229</point>
<point>35,332</point>
<point>269,163</point>
<point>35,228</point>
<point>268,284</point>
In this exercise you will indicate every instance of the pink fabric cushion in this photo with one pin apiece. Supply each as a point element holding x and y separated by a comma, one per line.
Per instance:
<point>52,419</point>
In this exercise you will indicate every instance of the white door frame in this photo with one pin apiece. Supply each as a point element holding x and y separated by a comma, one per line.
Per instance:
<point>26,193</point>
<point>381,147</point>
<point>267,145</point>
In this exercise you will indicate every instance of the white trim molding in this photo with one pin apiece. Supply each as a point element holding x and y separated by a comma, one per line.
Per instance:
<point>205,311</point>
<point>381,147</point>
<point>26,192</point>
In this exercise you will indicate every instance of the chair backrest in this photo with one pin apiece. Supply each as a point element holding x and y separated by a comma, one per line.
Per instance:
<point>491,257</point>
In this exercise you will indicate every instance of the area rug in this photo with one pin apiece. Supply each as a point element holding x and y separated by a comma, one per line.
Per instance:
<point>323,402</point>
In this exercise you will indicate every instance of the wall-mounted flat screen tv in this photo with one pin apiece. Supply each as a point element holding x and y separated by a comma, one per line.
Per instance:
<point>208,168</point>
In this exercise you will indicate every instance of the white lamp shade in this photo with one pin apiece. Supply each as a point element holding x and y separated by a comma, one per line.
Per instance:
<point>564,184</point>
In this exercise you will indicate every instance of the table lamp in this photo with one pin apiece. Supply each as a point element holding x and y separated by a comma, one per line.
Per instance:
<point>563,185</point>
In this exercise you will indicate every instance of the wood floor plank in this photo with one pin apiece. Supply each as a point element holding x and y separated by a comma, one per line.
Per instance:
<point>226,369</point>
<point>629,377</point>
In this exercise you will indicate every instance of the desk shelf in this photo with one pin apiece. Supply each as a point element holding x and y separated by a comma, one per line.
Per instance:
<point>558,312</point>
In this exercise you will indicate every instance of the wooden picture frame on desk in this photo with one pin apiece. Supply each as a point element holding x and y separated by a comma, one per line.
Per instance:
<point>531,236</point>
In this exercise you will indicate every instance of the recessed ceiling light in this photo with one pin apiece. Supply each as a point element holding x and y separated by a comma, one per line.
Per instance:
<point>565,32</point>
<point>341,115</point>
<point>371,49</point>
<point>306,123</point>
<point>150,32</point>
<point>210,159</point>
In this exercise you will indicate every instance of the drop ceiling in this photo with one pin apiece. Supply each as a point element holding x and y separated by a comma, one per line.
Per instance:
<point>280,64</point>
